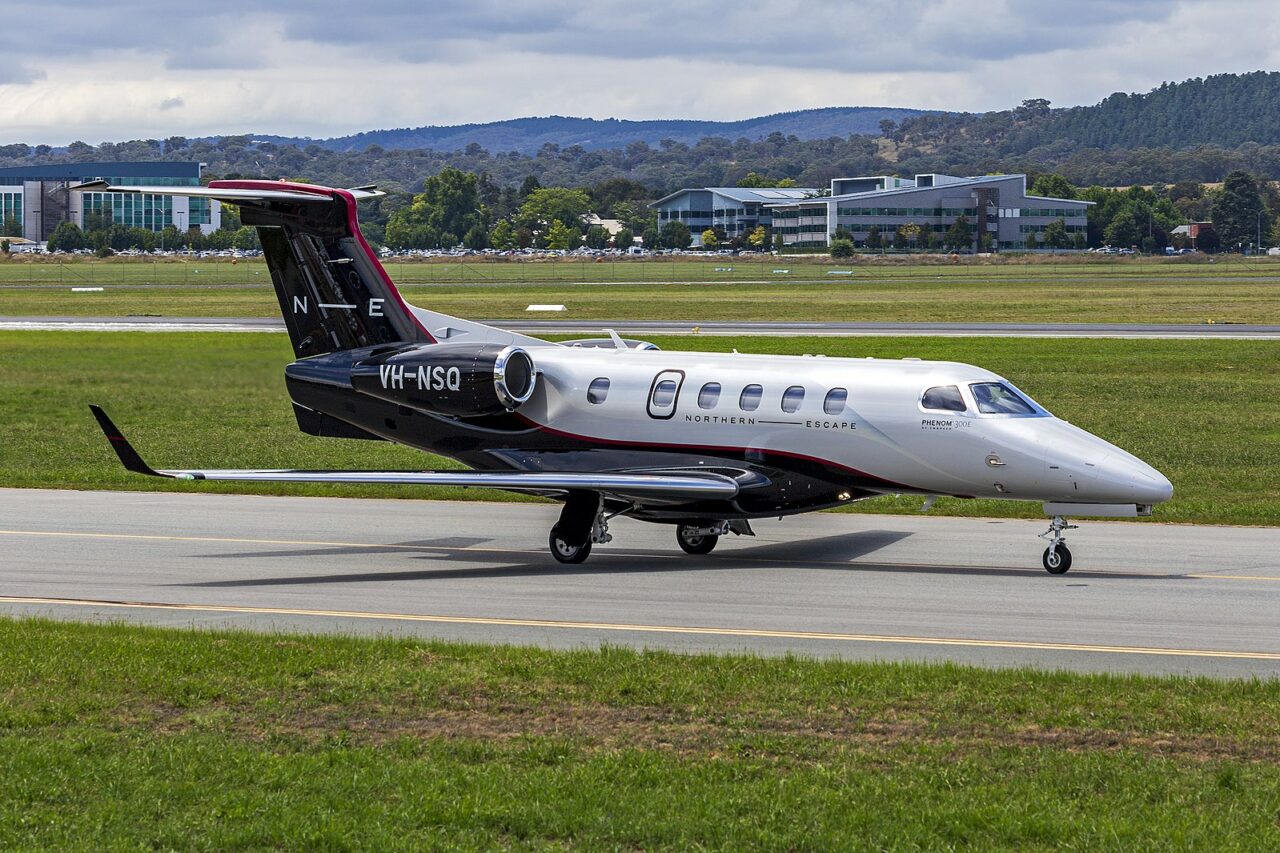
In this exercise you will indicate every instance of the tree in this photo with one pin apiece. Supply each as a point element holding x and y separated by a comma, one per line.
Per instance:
<point>842,232</point>
<point>1056,236</point>
<point>779,243</point>
<point>502,237</point>
<point>561,236</point>
<point>476,238</point>
<point>908,233</point>
<point>1122,230</point>
<point>446,207</point>
<point>12,227</point>
<point>959,236</point>
<point>1208,241</point>
<point>245,237</point>
<point>624,239</point>
<point>709,239</point>
<point>1238,212</point>
<point>758,238</point>
<point>675,235</point>
<point>597,237</point>
<point>67,237</point>
<point>651,238</point>
<point>4,247</point>
<point>554,204</point>
<point>1080,242</point>
<point>874,241</point>
<point>841,248</point>
<point>1053,186</point>
<point>528,185</point>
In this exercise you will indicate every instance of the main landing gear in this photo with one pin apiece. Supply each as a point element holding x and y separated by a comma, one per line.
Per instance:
<point>582,523</point>
<point>700,538</point>
<point>1057,557</point>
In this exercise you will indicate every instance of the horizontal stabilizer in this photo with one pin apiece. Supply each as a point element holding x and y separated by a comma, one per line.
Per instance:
<point>658,485</point>
<point>231,195</point>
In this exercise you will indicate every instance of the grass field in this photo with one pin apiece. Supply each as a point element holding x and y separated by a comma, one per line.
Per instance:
<point>118,737</point>
<point>1203,412</point>
<point>1040,290</point>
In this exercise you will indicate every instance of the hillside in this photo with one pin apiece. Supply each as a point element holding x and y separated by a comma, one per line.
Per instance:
<point>528,135</point>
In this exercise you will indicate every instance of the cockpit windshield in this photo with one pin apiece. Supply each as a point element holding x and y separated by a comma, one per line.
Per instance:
<point>997,398</point>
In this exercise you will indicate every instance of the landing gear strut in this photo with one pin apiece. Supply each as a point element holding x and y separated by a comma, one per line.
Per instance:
<point>582,523</point>
<point>700,538</point>
<point>1057,557</point>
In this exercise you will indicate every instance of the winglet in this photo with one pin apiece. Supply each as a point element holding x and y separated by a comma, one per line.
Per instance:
<point>128,456</point>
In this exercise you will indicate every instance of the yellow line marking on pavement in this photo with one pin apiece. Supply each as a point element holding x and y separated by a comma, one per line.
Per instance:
<point>650,629</point>
<point>490,550</point>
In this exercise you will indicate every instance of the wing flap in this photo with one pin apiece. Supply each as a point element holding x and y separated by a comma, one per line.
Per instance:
<point>681,486</point>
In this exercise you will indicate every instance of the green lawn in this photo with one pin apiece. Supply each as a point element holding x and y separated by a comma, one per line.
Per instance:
<point>1041,290</point>
<point>1203,412</point>
<point>115,737</point>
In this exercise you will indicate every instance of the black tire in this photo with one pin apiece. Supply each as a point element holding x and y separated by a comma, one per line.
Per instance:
<point>566,553</point>
<point>692,543</point>
<point>1057,560</point>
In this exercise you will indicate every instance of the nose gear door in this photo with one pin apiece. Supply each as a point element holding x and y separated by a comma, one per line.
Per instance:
<point>663,394</point>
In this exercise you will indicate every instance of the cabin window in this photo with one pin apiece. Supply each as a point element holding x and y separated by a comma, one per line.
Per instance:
<point>834,402</point>
<point>996,398</point>
<point>597,391</point>
<point>792,398</point>
<point>944,397</point>
<point>664,393</point>
<point>749,401</point>
<point>709,395</point>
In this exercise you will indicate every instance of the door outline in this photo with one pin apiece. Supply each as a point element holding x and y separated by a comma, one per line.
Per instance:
<point>663,376</point>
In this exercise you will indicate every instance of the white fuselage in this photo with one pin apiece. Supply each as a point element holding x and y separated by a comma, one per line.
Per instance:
<point>879,426</point>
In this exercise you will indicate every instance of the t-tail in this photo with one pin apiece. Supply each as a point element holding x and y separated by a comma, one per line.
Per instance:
<point>334,294</point>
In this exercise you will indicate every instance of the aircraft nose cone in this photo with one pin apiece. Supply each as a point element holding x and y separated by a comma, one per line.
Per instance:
<point>1134,480</point>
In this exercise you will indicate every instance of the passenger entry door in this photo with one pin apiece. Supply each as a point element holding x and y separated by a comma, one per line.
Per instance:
<point>663,394</point>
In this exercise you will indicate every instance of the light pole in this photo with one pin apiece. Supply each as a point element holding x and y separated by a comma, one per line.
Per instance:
<point>1259,243</point>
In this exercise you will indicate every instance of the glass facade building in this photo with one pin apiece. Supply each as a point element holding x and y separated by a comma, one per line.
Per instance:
<point>38,199</point>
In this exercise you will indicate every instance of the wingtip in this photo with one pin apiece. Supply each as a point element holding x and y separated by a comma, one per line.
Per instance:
<point>129,457</point>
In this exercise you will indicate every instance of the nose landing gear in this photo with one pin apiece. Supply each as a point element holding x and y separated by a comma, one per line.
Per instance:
<point>1057,557</point>
<point>700,539</point>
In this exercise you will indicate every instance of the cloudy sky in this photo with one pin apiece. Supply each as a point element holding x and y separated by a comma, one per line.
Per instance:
<point>132,69</point>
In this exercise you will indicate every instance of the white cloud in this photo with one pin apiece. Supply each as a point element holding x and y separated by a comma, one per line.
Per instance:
<point>315,68</point>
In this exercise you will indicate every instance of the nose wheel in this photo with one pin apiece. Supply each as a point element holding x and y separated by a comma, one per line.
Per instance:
<point>1057,560</point>
<point>1057,557</point>
<point>699,539</point>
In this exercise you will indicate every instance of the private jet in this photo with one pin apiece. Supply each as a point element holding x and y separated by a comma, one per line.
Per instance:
<point>704,442</point>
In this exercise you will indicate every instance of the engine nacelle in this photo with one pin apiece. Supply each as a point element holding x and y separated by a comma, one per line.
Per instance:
<point>464,380</point>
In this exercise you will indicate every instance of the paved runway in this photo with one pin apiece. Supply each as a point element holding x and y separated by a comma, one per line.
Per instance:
<point>592,328</point>
<point>1142,597</point>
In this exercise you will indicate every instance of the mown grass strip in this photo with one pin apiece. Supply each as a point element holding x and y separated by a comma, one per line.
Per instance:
<point>114,736</point>
<point>1099,292</point>
<point>1203,412</point>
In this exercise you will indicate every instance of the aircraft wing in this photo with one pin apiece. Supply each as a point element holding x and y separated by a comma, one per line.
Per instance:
<point>693,485</point>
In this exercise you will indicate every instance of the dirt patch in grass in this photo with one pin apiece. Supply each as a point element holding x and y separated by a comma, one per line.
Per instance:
<point>605,728</point>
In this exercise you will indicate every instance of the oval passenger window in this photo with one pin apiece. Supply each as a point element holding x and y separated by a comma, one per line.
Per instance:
<point>597,391</point>
<point>835,400</point>
<point>750,399</point>
<point>709,395</point>
<point>792,398</point>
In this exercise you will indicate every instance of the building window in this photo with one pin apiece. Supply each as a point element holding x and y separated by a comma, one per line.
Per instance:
<point>792,398</point>
<point>709,395</point>
<point>597,391</point>
<point>749,400</point>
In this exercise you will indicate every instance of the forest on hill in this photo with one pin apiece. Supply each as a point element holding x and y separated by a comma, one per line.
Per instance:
<point>528,135</point>
<point>1199,130</point>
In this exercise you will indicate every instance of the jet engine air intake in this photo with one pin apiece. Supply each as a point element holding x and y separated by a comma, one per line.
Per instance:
<point>462,380</point>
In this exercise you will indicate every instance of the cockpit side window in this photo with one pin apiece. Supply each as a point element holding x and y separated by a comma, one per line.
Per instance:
<point>944,397</point>
<point>996,398</point>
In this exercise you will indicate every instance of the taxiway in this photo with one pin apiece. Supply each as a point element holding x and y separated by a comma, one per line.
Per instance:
<point>1144,597</point>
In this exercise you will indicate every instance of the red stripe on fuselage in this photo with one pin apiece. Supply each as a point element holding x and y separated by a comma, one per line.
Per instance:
<point>711,448</point>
